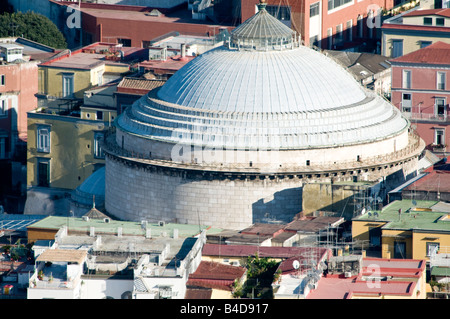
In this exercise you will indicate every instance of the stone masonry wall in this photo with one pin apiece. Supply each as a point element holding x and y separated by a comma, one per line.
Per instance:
<point>139,193</point>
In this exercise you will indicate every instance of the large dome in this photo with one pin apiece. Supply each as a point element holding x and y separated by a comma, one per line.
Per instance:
<point>263,90</point>
<point>231,138</point>
<point>292,80</point>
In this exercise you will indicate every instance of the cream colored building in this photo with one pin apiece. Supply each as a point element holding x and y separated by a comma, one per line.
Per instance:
<point>413,30</point>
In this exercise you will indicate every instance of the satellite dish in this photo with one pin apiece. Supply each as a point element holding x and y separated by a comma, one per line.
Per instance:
<point>296,264</point>
<point>370,214</point>
<point>363,211</point>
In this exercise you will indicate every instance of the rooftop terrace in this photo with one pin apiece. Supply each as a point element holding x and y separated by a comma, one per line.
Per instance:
<point>111,227</point>
<point>409,214</point>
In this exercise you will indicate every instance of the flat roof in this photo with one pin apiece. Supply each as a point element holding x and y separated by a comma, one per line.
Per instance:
<point>128,227</point>
<point>344,288</point>
<point>418,217</point>
<point>179,16</point>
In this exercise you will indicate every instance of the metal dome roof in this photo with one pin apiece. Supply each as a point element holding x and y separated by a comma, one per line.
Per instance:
<point>228,80</point>
<point>279,95</point>
<point>261,31</point>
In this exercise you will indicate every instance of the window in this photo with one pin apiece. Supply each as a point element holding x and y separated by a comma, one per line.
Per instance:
<point>3,108</point>
<point>2,147</point>
<point>2,80</point>
<point>314,9</point>
<point>427,21</point>
<point>406,79</point>
<point>440,106</point>
<point>424,44</point>
<point>330,38</point>
<point>397,48</point>
<point>99,115</point>
<point>399,249</point>
<point>43,139</point>
<point>439,136</point>
<point>282,13</point>
<point>441,80</point>
<point>440,22</point>
<point>98,138</point>
<point>348,31</point>
<point>124,42</point>
<point>360,26</point>
<point>339,36</point>
<point>68,85</point>
<point>432,248</point>
<point>43,172</point>
<point>333,4</point>
<point>406,102</point>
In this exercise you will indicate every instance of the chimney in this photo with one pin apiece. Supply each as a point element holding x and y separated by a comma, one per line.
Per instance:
<point>183,50</point>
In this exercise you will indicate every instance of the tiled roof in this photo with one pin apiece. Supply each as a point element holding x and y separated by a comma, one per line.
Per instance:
<point>345,288</point>
<point>250,250</point>
<point>436,181</point>
<point>436,53</point>
<point>312,225</point>
<point>215,275</point>
<point>445,12</point>
<point>138,85</point>
<point>263,229</point>
<point>208,270</point>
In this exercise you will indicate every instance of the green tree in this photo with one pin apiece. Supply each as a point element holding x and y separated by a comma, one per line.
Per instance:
<point>32,26</point>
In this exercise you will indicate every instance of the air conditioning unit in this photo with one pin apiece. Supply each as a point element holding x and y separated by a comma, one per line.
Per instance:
<point>86,218</point>
<point>348,274</point>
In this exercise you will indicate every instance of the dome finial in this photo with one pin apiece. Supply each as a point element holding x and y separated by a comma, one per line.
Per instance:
<point>262,5</point>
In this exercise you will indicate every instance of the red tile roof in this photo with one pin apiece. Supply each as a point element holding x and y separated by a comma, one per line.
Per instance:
<point>138,85</point>
<point>250,250</point>
<point>313,225</point>
<point>436,53</point>
<point>445,12</point>
<point>215,275</point>
<point>345,288</point>
<point>162,66</point>
<point>335,287</point>
<point>433,182</point>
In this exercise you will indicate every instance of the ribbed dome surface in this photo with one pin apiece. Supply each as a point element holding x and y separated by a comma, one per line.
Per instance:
<point>258,94</point>
<point>261,27</point>
<point>296,80</point>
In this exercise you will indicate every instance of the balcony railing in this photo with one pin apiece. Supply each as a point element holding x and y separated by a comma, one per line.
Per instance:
<point>426,116</point>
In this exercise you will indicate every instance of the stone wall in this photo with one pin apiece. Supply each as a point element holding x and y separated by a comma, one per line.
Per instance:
<point>140,192</point>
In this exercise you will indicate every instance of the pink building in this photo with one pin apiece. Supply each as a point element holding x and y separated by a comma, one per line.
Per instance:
<point>328,24</point>
<point>18,86</point>
<point>420,88</point>
<point>19,59</point>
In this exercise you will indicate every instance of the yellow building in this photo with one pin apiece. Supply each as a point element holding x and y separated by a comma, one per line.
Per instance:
<point>403,34</point>
<point>63,150</point>
<point>70,74</point>
<point>76,106</point>
<point>404,230</point>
